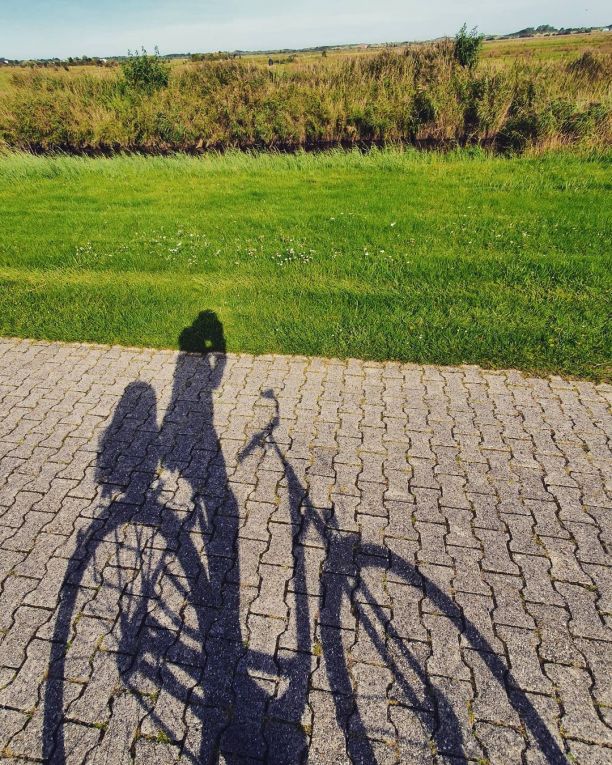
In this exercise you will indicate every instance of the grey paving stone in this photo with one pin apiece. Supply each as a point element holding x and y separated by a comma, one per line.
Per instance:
<point>79,742</point>
<point>477,613</point>
<point>11,723</point>
<point>328,743</point>
<point>504,746</point>
<point>526,670</point>
<point>454,735</point>
<point>414,735</point>
<point>408,565</point>
<point>556,642</point>
<point>580,718</point>
<point>491,703</point>
<point>589,754</point>
<point>538,587</point>
<point>586,620</point>
<point>446,659</point>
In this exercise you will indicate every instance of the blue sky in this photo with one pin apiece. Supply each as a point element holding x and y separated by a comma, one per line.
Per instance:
<point>47,28</point>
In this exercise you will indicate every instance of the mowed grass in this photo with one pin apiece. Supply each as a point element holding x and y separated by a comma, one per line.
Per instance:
<point>388,255</point>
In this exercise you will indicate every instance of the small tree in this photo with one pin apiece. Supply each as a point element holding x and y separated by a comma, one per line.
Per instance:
<point>467,47</point>
<point>144,72</point>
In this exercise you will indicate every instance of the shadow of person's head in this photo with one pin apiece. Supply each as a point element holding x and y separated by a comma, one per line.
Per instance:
<point>205,335</point>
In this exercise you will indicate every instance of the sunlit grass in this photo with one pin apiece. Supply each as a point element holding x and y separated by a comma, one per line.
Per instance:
<point>420,257</point>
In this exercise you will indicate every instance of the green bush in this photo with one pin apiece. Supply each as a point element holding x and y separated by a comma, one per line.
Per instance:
<point>142,72</point>
<point>591,66</point>
<point>467,47</point>
<point>423,111</point>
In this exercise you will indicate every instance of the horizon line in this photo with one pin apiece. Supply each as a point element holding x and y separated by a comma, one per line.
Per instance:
<point>309,48</point>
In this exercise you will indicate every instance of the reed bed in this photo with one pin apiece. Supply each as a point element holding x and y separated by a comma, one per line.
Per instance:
<point>420,96</point>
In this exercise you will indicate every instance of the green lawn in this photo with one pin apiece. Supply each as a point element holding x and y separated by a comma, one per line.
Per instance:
<point>418,257</point>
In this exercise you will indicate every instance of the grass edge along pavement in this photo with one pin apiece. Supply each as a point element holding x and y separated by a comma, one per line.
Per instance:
<point>430,258</point>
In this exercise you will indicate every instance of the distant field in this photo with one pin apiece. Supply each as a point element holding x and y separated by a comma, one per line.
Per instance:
<point>419,257</point>
<point>7,72</point>
<point>551,48</point>
<point>503,51</point>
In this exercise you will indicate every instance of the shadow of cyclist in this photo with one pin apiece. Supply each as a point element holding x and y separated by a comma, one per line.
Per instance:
<point>240,687</point>
<point>180,636</point>
<point>166,507</point>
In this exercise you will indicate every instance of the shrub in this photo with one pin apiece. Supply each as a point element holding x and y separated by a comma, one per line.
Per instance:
<point>487,98</point>
<point>423,111</point>
<point>591,66</point>
<point>467,47</point>
<point>142,72</point>
<point>593,120</point>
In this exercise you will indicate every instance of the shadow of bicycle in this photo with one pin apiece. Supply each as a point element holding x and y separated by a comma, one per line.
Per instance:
<point>210,660</point>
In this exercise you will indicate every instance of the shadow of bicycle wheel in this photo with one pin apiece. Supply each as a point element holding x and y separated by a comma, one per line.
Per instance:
<point>411,685</point>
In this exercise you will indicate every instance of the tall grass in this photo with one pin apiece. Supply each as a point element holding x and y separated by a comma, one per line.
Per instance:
<point>421,96</point>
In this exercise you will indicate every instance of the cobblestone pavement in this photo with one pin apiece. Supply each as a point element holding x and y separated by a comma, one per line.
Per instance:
<point>281,559</point>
